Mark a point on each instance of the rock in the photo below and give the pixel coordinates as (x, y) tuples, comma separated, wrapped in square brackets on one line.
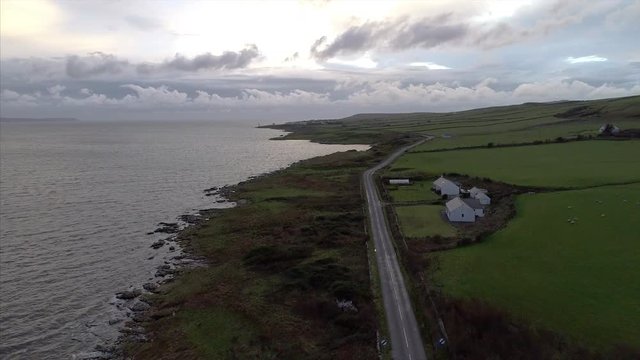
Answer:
[(221, 201), (139, 306), (132, 330), (151, 287), (150, 233), (172, 248), (167, 228), (114, 321), (190, 219), (165, 270), (139, 317), (158, 244), (105, 348), (129, 294)]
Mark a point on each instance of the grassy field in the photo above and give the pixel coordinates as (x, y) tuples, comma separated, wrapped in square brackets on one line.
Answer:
[(417, 191), (423, 220), (502, 124), (581, 278), (574, 164)]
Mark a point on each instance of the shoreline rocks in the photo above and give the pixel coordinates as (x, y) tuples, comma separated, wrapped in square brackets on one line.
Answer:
[(128, 294)]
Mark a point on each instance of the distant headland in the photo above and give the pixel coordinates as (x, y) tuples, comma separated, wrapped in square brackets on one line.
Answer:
[(47, 119)]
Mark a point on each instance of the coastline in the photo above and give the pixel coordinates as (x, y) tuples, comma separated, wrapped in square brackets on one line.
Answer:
[(145, 303)]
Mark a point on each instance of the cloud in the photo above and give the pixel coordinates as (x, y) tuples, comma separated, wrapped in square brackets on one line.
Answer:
[(585, 59), (456, 30), (360, 96), (95, 63), (98, 64), (429, 65), (143, 23), (207, 61)]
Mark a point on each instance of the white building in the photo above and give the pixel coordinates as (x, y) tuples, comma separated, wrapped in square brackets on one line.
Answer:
[(478, 208), (446, 187), (608, 128), (475, 190), (399, 182), (458, 211), (483, 198)]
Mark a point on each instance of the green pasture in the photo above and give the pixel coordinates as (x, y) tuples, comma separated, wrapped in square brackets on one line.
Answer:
[(423, 220), (573, 164), (567, 262), (417, 191)]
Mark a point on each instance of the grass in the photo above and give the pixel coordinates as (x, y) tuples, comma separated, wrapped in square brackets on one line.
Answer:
[(580, 279), (277, 264), (574, 164), (423, 220), (417, 191), (216, 333)]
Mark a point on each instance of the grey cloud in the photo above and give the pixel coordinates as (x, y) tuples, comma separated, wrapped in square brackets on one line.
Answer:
[(96, 63), (227, 60), (143, 23), (398, 34), (451, 30), (354, 39)]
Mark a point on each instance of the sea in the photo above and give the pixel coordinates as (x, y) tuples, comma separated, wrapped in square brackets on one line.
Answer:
[(77, 201)]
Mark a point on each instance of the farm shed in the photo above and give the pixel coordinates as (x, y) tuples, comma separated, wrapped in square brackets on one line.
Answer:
[(458, 211), (445, 187), (483, 198), (399, 182), (475, 190), (478, 208)]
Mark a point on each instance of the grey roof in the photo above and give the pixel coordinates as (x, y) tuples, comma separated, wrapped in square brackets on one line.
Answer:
[(456, 203), (482, 195), (473, 203), (442, 181)]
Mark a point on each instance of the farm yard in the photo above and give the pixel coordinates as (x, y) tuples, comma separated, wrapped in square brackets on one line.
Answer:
[(580, 278)]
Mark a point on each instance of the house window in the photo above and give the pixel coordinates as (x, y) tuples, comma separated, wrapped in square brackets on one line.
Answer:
[(462, 215)]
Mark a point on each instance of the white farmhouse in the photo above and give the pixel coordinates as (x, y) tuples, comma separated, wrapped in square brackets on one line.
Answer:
[(446, 187), (458, 211)]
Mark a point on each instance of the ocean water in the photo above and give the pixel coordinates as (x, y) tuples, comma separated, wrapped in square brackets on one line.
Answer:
[(76, 202)]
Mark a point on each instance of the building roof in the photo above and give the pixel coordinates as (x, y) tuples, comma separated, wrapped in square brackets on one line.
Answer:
[(482, 195), (456, 203), (477, 189), (473, 203), (441, 181)]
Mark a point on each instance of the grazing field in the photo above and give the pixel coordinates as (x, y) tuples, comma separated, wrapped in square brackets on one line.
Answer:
[(578, 278), (423, 220), (500, 124), (574, 164), (418, 191)]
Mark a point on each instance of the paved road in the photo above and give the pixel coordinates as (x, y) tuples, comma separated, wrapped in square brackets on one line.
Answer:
[(406, 343)]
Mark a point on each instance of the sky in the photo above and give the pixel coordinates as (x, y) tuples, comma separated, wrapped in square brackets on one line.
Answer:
[(276, 61)]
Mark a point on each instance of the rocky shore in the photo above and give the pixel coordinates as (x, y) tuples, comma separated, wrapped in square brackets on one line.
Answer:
[(135, 305)]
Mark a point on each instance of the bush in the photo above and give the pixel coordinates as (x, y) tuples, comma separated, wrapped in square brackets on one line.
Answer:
[(275, 257)]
